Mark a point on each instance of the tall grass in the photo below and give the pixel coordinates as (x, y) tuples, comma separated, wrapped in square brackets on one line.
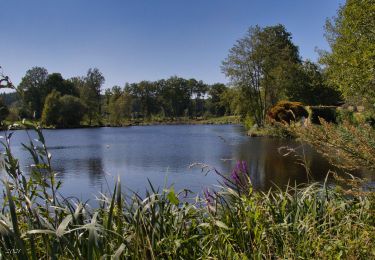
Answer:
[(234, 222)]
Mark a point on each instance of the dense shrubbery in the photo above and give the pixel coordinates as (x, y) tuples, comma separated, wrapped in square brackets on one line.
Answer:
[(231, 223), (286, 111)]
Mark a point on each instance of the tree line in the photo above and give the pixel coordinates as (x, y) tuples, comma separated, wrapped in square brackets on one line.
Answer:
[(56, 101)]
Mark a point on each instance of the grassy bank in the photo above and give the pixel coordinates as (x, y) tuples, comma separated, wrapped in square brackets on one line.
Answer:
[(312, 221)]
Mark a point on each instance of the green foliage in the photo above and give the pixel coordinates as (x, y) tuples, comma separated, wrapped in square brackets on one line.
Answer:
[(216, 105), (351, 63), (286, 111), (62, 111), (4, 111), (56, 82), (89, 89), (71, 111), (32, 88), (311, 86), (119, 105), (51, 110), (262, 65)]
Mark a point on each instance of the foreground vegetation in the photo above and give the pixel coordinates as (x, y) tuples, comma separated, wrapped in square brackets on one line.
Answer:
[(232, 222)]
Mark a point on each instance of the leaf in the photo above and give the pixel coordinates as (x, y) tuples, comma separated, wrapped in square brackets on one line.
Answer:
[(221, 224), (119, 252), (41, 231), (61, 229), (172, 197)]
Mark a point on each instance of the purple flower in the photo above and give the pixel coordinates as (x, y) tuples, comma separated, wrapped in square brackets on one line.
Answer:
[(240, 176), (208, 196)]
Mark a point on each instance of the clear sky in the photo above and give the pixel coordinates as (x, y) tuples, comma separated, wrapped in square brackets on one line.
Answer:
[(138, 40)]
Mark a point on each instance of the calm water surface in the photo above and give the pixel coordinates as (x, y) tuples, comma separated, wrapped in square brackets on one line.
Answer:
[(88, 160)]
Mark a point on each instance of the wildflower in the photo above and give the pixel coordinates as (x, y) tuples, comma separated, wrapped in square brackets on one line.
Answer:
[(208, 196)]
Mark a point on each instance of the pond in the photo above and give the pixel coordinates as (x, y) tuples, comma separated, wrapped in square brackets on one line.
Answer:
[(89, 160)]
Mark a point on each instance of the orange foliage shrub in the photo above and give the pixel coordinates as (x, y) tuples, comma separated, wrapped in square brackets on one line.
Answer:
[(286, 111)]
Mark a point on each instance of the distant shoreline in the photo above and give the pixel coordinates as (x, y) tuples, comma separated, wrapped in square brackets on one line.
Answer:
[(225, 120)]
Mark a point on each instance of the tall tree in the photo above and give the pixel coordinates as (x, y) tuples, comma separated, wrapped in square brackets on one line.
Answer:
[(32, 88), (351, 63), (261, 65), (90, 93), (311, 87), (216, 95), (56, 82)]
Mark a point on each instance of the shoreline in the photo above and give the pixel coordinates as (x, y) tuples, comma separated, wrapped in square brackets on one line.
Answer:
[(226, 120)]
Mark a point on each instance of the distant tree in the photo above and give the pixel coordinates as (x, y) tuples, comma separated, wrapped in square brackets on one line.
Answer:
[(32, 88), (120, 106), (176, 94), (62, 111), (261, 65), (56, 82), (351, 63), (90, 93), (4, 111), (71, 111), (51, 110), (10, 98), (311, 88), (216, 104)]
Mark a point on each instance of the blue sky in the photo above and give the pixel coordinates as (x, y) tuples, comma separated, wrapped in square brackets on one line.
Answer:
[(138, 40)]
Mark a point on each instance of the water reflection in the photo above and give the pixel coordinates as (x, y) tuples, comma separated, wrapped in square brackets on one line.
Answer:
[(88, 160)]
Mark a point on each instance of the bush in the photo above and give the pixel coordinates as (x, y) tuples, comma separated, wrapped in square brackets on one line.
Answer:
[(286, 111)]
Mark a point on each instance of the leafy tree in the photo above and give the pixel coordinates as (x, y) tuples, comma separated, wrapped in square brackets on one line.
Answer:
[(351, 63), (89, 92), (216, 105), (120, 106), (62, 111), (56, 82), (71, 111), (32, 88), (51, 110), (311, 87), (261, 65)]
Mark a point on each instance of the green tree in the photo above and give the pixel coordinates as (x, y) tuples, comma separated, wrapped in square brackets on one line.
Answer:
[(216, 104), (51, 110), (71, 111), (311, 87), (351, 63), (32, 88), (89, 93), (120, 106), (262, 64), (56, 82)]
